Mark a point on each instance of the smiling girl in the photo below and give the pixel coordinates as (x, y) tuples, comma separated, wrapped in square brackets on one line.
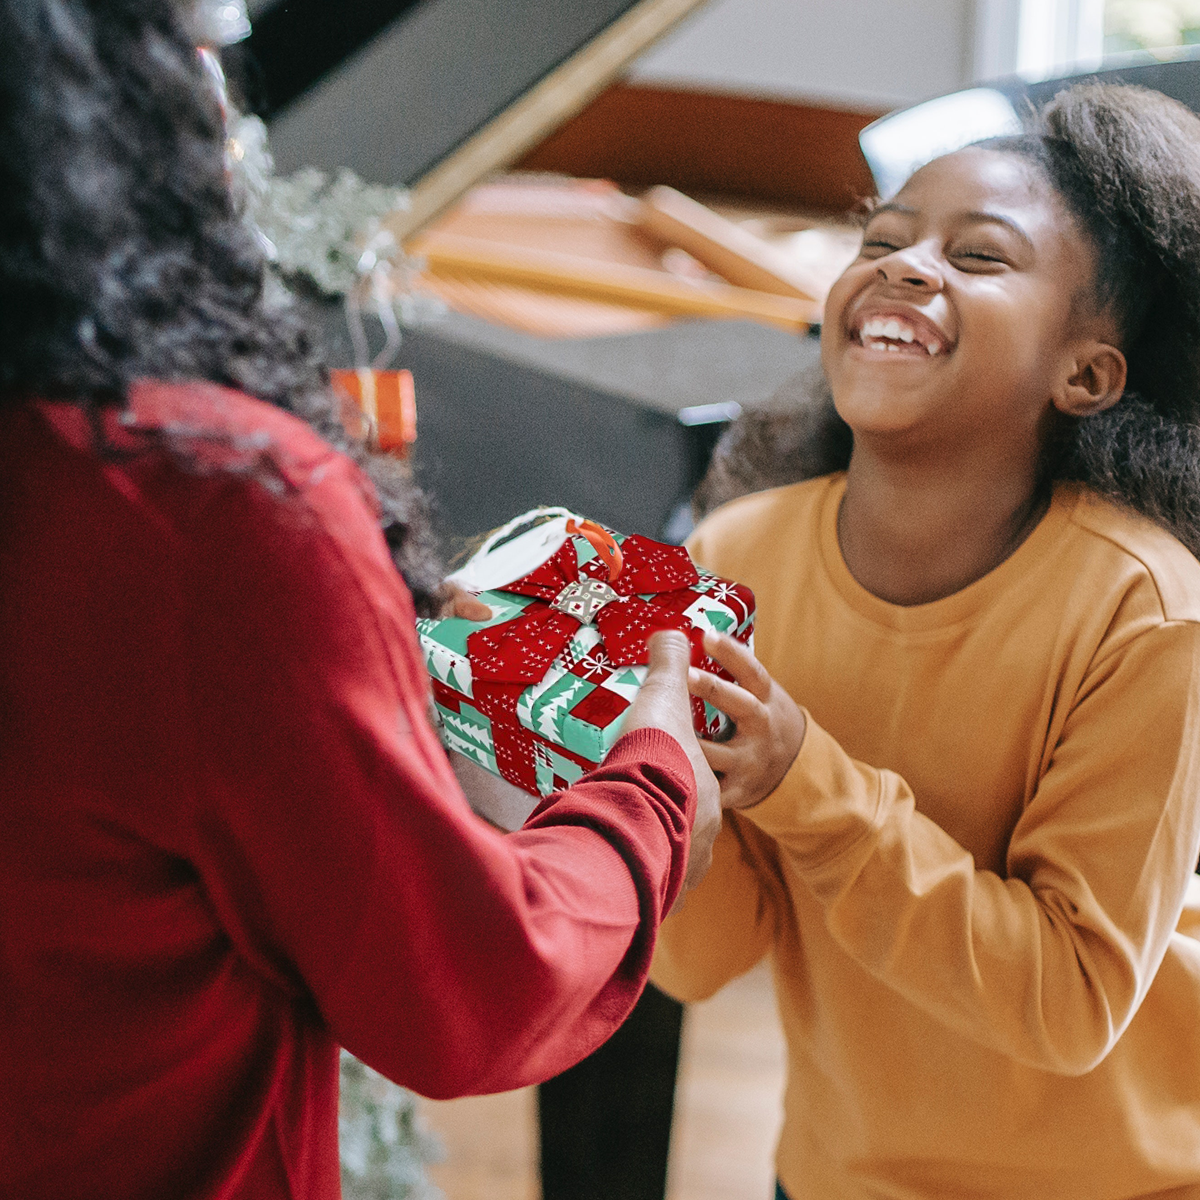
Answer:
[(968, 854)]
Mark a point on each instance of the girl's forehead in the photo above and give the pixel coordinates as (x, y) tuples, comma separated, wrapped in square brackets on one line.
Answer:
[(977, 179)]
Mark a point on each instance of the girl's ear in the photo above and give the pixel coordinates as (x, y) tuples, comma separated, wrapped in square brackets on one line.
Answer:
[(1096, 380)]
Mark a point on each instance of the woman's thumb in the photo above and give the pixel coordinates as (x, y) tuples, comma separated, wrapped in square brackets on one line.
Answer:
[(670, 657), (662, 701)]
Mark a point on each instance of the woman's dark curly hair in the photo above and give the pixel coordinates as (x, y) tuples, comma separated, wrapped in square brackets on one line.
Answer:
[(1126, 163), (121, 254)]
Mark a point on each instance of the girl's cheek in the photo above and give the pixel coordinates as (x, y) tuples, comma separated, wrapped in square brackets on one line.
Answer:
[(843, 288)]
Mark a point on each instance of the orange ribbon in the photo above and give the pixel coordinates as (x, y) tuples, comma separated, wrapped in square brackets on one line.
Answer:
[(602, 542)]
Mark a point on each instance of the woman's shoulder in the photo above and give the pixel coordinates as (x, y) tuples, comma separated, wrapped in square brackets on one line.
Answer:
[(227, 435), (225, 428), (207, 467), (214, 427), (1148, 555)]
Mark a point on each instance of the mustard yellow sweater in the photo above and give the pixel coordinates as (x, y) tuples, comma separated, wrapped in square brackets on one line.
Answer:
[(972, 881)]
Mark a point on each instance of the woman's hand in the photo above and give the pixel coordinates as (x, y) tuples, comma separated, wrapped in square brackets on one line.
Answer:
[(769, 724), (662, 703)]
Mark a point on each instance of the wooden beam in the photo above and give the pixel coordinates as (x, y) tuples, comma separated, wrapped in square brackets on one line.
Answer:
[(732, 252), (521, 126), (456, 255)]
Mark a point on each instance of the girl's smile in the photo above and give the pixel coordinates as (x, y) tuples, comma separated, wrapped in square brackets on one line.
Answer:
[(896, 329)]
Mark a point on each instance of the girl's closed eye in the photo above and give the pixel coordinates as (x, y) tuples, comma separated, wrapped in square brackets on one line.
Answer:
[(978, 258), (877, 247)]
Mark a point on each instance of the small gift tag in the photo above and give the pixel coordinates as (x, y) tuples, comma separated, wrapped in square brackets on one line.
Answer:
[(584, 600)]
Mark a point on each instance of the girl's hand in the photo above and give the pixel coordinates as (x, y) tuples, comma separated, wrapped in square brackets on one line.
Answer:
[(458, 602), (769, 724)]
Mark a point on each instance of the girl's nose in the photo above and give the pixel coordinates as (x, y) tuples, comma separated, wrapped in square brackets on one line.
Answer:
[(911, 267)]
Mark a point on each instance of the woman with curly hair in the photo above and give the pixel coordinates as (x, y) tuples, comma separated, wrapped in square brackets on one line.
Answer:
[(970, 854), (229, 839)]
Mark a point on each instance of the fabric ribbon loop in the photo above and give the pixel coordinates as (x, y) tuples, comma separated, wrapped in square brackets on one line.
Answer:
[(566, 595), (520, 650)]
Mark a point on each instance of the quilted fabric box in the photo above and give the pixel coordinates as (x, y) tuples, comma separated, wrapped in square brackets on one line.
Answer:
[(536, 693)]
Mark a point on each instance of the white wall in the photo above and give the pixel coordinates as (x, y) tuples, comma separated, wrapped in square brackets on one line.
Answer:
[(853, 53)]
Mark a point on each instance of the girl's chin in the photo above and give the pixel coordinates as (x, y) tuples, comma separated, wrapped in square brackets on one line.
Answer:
[(872, 412)]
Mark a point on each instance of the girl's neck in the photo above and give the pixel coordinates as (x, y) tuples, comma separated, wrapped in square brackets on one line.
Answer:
[(911, 533)]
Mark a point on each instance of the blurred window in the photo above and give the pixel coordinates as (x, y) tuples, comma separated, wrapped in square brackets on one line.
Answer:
[(1056, 37), (1039, 39), (1150, 24)]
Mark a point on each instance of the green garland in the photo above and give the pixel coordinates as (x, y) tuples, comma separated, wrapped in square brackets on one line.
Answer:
[(329, 232), (383, 1146)]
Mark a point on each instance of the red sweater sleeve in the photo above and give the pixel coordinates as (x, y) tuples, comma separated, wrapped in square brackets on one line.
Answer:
[(333, 841)]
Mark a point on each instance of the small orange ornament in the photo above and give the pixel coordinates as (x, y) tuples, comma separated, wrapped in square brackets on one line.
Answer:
[(387, 401)]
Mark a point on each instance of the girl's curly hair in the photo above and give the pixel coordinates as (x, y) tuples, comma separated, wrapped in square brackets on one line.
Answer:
[(1126, 163), (121, 254)]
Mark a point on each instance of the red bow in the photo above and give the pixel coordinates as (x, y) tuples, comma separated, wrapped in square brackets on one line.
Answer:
[(521, 650)]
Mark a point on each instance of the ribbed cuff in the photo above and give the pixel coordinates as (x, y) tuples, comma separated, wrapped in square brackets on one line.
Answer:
[(656, 748), (825, 806)]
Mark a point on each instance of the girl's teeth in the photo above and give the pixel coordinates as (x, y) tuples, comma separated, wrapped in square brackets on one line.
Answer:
[(879, 333)]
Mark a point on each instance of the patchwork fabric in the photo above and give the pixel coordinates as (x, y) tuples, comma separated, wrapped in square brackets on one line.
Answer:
[(536, 693)]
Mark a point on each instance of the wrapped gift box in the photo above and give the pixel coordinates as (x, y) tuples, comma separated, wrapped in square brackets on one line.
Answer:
[(537, 692)]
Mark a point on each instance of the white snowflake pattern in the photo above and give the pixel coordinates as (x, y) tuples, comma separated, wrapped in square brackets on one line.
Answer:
[(726, 593), (594, 664)]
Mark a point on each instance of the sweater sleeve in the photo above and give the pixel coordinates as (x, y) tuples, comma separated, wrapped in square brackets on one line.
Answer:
[(1048, 964), (337, 849), (725, 924)]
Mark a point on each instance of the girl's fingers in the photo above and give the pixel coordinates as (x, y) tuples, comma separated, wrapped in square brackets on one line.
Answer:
[(740, 662), (732, 700), (722, 758)]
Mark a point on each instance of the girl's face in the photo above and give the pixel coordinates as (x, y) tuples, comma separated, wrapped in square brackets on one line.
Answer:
[(959, 322)]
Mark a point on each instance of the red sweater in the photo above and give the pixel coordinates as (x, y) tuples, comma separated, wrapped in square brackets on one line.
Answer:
[(230, 842)]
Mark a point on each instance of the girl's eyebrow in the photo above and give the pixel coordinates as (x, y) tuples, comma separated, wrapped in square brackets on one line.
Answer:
[(999, 219), (906, 209), (974, 216)]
